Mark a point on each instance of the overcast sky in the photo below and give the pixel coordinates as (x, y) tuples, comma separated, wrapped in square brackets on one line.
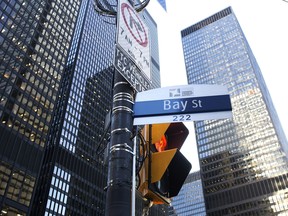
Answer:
[(264, 24)]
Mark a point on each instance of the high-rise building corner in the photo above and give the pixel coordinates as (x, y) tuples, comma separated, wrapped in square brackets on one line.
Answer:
[(243, 160)]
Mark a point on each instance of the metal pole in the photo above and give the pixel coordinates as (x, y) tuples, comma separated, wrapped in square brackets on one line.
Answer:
[(118, 197), (134, 176)]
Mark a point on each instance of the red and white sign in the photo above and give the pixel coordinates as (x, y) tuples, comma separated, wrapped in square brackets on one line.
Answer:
[(133, 37)]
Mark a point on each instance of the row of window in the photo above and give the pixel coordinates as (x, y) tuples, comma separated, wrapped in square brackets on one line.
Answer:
[(15, 184)]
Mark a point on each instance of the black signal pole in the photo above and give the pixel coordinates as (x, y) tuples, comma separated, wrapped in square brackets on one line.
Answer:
[(119, 186), (120, 156)]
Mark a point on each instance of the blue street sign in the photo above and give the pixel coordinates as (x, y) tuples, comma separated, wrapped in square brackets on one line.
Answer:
[(182, 106), (182, 103)]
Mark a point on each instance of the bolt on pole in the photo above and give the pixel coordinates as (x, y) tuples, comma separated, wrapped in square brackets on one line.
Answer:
[(120, 165)]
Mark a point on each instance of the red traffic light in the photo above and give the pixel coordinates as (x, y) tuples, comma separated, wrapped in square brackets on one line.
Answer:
[(172, 136), (167, 167), (162, 144)]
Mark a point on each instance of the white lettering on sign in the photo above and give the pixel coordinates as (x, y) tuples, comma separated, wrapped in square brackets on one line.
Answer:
[(176, 105), (180, 105), (196, 103), (130, 72)]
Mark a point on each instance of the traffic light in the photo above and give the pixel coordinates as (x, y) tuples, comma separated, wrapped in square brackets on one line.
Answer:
[(166, 168)]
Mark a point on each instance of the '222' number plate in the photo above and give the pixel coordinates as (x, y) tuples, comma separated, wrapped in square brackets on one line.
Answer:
[(177, 118)]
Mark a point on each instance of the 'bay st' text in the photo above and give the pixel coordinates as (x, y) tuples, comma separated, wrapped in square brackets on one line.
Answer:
[(181, 105)]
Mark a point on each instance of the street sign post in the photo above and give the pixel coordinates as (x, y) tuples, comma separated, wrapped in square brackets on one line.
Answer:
[(132, 61), (182, 103)]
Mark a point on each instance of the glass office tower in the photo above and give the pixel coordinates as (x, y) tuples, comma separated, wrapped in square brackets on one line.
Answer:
[(35, 38), (56, 77), (190, 200), (243, 161)]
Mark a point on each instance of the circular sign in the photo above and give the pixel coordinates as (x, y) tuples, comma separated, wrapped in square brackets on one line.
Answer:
[(134, 24)]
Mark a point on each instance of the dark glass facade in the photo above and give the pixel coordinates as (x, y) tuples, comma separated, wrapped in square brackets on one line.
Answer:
[(35, 37), (243, 161), (56, 89), (190, 200)]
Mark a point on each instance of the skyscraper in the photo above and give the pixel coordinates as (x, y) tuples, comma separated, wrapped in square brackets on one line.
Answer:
[(243, 161), (190, 200), (35, 38), (56, 88)]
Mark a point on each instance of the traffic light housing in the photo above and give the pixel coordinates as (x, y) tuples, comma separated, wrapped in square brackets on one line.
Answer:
[(166, 168)]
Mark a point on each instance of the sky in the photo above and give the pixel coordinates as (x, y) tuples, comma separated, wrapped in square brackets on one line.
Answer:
[(264, 24)]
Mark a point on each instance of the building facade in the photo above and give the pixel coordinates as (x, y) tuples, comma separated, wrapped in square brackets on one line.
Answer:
[(56, 89), (35, 43), (243, 160), (190, 200)]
